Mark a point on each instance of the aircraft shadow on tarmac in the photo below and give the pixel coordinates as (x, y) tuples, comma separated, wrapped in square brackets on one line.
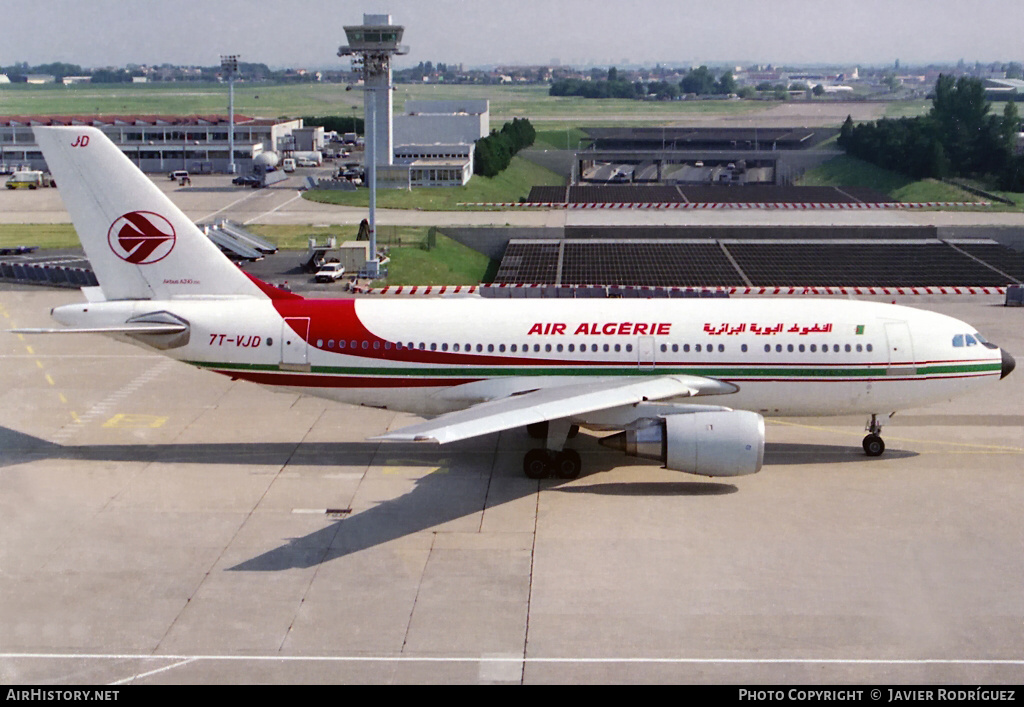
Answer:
[(434, 500)]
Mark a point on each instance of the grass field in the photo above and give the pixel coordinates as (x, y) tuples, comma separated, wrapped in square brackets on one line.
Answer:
[(293, 100), (48, 236), (446, 263), (850, 171), (510, 185)]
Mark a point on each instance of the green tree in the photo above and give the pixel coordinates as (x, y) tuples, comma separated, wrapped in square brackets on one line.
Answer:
[(726, 84), (846, 132), (1010, 125), (699, 81)]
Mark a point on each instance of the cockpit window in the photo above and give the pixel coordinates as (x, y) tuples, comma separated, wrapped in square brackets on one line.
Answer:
[(970, 340), (984, 342), (958, 340)]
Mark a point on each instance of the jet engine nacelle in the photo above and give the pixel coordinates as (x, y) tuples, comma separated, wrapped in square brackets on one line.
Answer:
[(723, 443)]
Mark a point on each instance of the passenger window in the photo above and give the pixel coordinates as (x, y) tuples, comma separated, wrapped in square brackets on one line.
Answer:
[(848, 349), (501, 348), (513, 348), (618, 348), (767, 348), (859, 349), (721, 348), (869, 347), (376, 345), (801, 348), (490, 348), (814, 348), (559, 348), (675, 348), (743, 348), (697, 348), (572, 347), (433, 347), (629, 347)]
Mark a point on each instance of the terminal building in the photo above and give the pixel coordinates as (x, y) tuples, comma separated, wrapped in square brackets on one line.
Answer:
[(162, 143)]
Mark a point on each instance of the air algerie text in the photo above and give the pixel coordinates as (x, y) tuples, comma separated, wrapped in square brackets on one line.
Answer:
[(602, 329)]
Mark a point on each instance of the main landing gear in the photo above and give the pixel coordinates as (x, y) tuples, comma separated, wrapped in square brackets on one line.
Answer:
[(552, 460), (873, 444)]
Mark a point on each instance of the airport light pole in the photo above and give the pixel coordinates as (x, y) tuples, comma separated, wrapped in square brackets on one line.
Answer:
[(229, 65)]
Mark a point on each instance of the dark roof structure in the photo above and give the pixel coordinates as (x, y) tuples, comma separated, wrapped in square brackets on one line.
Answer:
[(654, 138), (711, 262), (760, 194)]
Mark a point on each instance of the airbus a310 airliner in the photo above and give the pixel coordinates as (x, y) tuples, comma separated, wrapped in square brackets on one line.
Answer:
[(685, 382)]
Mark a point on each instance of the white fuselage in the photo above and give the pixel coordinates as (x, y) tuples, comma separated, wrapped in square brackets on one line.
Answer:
[(786, 357)]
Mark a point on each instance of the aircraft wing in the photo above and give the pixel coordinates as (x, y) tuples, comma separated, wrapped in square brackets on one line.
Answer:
[(553, 403)]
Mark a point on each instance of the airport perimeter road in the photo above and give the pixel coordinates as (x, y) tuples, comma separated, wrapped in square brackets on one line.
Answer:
[(213, 197), (160, 524)]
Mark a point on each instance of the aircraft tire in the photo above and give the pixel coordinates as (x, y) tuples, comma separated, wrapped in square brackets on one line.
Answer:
[(567, 464), (537, 464), (873, 446)]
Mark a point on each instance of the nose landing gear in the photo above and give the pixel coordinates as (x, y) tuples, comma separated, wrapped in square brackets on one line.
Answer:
[(873, 444)]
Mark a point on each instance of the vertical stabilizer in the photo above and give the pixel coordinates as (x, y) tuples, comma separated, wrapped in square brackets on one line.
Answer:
[(140, 245)]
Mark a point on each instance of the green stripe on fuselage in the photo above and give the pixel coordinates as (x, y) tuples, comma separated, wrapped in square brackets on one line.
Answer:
[(724, 371)]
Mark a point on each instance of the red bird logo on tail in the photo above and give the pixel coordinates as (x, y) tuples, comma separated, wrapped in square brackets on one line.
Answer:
[(141, 237)]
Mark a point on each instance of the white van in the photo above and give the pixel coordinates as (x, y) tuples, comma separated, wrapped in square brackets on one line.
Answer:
[(31, 179), (178, 175), (288, 164)]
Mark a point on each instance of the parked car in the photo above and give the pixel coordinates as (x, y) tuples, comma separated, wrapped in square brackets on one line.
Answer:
[(178, 175), (247, 180), (329, 272)]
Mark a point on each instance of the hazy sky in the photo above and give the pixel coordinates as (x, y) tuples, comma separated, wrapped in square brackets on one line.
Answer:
[(306, 33)]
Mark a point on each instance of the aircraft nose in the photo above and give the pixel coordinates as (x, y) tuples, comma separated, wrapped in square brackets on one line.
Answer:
[(1008, 364)]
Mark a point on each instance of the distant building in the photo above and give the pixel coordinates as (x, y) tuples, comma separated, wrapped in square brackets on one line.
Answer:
[(1004, 89), (446, 122), (158, 143)]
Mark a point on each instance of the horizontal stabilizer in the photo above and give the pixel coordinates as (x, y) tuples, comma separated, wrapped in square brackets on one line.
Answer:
[(141, 328)]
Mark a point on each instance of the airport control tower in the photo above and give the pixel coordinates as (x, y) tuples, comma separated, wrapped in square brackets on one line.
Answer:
[(372, 44)]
